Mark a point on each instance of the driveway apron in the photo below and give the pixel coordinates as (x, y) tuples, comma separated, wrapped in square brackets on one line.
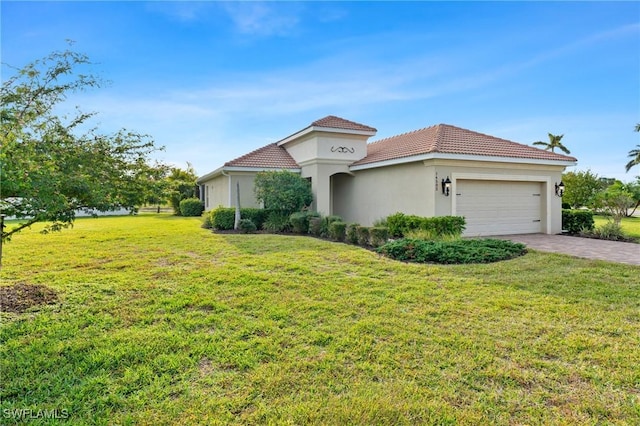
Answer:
[(589, 248)]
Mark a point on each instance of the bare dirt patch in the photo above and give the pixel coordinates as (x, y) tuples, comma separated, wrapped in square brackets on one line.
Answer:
[(19, 297)]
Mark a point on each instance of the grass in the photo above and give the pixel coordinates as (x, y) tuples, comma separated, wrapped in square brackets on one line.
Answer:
[(162, 322), (630, 225)]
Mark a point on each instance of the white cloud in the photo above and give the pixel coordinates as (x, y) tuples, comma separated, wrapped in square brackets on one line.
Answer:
[(263, 19)]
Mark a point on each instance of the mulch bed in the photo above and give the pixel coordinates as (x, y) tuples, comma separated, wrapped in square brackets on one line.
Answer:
[(19, 297)]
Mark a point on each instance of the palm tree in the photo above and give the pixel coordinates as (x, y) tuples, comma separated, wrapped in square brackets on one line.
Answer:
[(634, 154), (554, 142)]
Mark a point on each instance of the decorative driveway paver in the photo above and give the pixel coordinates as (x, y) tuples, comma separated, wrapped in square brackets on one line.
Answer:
[(589, 248)]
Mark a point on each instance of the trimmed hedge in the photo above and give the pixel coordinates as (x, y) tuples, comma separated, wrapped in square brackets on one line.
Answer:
[(577, 221), (191, 207), (440, 226), (300, 221), (352, 233), (223, 218), (326, 223), (363, 235), (378, 235), (452, 252), (337, 231)]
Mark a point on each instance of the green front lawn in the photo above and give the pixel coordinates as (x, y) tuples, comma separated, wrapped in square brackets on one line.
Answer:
[(162, 322), (630, 225)]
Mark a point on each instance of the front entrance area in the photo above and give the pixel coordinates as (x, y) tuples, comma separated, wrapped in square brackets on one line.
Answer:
[(499, 207)]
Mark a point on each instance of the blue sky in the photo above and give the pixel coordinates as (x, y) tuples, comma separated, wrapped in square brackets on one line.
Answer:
[(214, 80)]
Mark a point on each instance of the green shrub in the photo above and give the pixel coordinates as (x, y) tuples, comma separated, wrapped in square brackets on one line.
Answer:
[(246, 226), (222, 218), (257, 216), (315, 226), (577, 221), (363, 233), (380, 222), (400, 224), (191, 207), (300, 221), (352, 233), (207, 223), (427, 234), (326, 222), (277, 221), (566, 206), (396, 224), (379, 235), (337, 231), (452, 252), (609, 231)]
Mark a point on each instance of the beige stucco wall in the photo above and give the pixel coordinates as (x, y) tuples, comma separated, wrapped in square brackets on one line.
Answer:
[(318, 146), (222, 190), (373, 194), (247, 196), (216, 192)]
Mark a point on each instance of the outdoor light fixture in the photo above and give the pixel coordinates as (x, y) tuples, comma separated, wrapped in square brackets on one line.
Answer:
[(560, 189), (446, 186)]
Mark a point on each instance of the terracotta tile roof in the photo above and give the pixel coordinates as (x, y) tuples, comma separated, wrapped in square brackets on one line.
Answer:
[(447, 139), (270, 156), (341, 123)]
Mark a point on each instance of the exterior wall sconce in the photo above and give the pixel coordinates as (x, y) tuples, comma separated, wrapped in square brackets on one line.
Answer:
[(560, 189), (446, 186)]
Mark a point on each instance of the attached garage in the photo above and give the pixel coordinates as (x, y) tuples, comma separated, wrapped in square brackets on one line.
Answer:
[(493, 207)]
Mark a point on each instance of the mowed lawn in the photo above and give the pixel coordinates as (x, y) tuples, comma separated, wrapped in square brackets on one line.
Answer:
[(162, 322), (630, 225)]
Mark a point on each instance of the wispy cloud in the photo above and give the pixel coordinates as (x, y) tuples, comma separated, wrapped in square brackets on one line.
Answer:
[(264, 19), (183, 11)]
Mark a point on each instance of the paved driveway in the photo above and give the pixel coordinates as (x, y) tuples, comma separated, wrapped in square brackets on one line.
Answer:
[(589, 248)]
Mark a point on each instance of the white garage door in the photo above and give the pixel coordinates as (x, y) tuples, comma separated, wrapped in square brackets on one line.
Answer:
[(499, 207)]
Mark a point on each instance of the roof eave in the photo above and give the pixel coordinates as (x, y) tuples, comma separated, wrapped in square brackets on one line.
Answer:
[(466, 157), (210, 175), (225, 169), (311, 129)]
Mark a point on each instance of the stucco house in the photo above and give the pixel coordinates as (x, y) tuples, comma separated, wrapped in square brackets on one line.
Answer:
[(499, 186)]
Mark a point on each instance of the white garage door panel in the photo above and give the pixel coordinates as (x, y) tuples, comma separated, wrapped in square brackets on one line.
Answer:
[(498, 208)]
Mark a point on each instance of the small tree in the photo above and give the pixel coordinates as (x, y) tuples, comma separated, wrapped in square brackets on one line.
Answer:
[(581, 188), (181, 185), (283, 190), (615, 201)]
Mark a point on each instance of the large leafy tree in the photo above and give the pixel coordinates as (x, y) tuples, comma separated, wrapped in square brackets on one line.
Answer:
[(283, 190), (53, 165), (581, 188), (554, 142)]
